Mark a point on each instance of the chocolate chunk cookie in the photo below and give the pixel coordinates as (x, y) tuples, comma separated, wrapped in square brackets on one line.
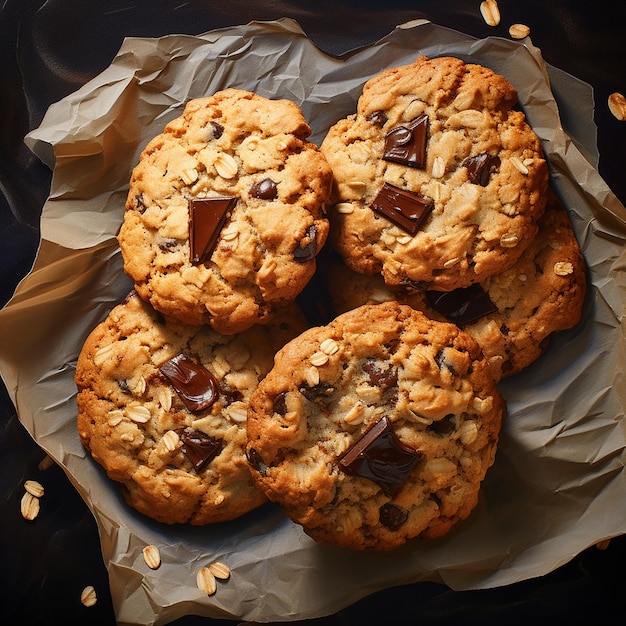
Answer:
[(512, 314), (376, 428), (438, 180), (162, 407), (225, 211)]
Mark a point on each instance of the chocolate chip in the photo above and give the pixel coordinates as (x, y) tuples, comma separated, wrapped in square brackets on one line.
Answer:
[(462, 306), (480, 167), (199, 447), (229, 393), (379, 118), (307, 249), (406, 144), (392, 516), (280, 404), (440, 360), (256, 462), (378, 377), (194, 384), (265, 189), (444, 426), (381, 457), (321, 390), (218, 130), (404, 208), (206, 219)]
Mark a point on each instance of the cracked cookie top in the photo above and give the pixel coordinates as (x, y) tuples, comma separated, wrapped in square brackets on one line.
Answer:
[(438, 180), (225, 211)]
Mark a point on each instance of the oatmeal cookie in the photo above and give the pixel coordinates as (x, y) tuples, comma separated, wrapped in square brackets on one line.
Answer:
[(513, 314), (162, 407), (376, 428), (438, 180), (225, 211)]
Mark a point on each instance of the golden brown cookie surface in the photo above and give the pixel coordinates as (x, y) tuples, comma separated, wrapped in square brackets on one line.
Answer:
[(438, 180), (225, 211), (376, 428)]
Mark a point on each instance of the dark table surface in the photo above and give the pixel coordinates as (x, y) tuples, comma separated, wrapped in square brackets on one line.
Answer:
[(50, 48)]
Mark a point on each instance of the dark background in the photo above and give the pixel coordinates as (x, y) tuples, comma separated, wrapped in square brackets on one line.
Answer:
[(49, 49)]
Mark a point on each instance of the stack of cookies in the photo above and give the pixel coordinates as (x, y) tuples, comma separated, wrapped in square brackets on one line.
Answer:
[(451, 264)]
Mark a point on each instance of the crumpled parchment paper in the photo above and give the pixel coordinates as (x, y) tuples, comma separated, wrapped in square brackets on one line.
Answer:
[(558, 483)]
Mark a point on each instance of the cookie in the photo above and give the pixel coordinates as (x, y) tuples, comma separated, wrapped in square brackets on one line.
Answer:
[(513, 314), (225, 211), (375, 428), (162, 407), (438, 180)]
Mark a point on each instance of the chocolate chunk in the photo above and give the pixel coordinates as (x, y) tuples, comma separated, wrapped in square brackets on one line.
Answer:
[(218, 129), (308, 246), (444, 426), (230, 393), (256, 462), (206, 219), (406, 144), (264, 190), (280, 405), (462, 306), (321, 390), (198, 447), (381, 457), (378, 377), (194, 384), (404, 208), (377, 117), (392, 516), (480, 167)]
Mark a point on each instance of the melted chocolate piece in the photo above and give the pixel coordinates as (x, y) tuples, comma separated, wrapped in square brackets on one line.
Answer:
[(280, 405), (230, 394), (307, 249), (462, 306), (444, 426), (218, 129), (198, 447), (381, 457), (392, 516), (377, 117), (256, 462), (404, 208), (194, 384), (321, 390), (406, 144), (206, 219), (480, 167), (264, 190), (378, 377)]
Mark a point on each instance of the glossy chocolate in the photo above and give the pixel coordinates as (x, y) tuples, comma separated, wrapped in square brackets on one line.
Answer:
[(406, 144), (480, 167), (198, 447), (307, 249), (264, 190), (392, 516), (462, 306), (381, 457), (206, 219), (195, 385), (379, 377), (404, 208)]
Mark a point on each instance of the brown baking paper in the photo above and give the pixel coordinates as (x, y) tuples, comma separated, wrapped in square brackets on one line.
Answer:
[(557, 485)]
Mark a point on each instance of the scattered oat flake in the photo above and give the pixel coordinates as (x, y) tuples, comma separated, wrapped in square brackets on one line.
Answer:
[(205, 580), (617, 106), (29, 506), (152, 556), (491, 12), (519, 31), (88, 596), (220, 570), (34, 487)]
